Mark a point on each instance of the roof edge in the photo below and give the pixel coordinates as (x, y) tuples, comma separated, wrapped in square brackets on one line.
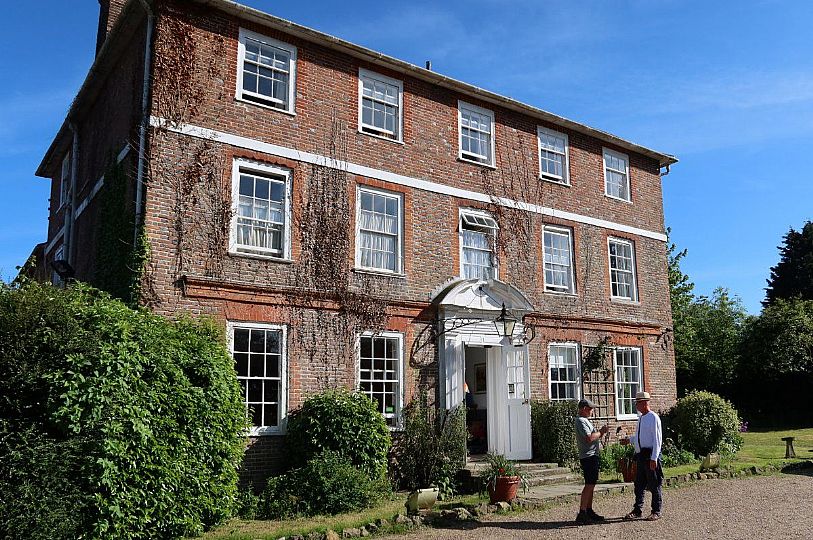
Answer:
[(99, 68), (374, 57)]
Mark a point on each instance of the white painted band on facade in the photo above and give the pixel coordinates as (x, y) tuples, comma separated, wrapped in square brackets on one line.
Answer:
[(387, 176)]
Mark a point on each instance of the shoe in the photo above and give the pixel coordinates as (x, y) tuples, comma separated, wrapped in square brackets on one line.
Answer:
[(595, 517), (583, 518), (653, 517), (632, 515)]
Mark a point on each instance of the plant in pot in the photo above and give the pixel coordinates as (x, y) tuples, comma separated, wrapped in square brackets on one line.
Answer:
[(625, 463), (502, 478)]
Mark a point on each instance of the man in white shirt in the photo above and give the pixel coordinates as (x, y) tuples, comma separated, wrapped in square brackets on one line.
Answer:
[(648, 439)]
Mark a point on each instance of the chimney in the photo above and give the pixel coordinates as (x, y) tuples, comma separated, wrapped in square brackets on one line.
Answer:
[(109, 11)]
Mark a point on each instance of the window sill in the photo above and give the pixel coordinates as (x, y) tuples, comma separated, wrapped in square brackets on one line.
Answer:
[(565, 294), (257, 256), (558, 182), (262, 106), (480, 163), (619, 199), (625, 301), (382, 137), (382, 273), (265, 432)]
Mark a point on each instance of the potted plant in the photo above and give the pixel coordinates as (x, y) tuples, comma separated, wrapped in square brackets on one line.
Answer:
[(502, 478), (626, 462)]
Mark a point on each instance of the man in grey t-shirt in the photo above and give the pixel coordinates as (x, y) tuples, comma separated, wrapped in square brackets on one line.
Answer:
[(587, 437)]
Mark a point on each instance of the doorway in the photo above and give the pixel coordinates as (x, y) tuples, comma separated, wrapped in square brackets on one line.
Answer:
[(476, 398)]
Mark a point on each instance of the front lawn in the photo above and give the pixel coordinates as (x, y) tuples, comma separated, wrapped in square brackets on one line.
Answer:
[(760, 448)]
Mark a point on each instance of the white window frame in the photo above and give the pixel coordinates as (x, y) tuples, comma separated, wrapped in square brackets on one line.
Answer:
[(565, 178), (631, 244), (550, 288), (482, 214), (64, 180), (578, 381), (399, 401), (399, 249), (262, 100), (461, 106), (375, 131), (616, 383), (260, 169), (282, 408), (618, 155), (59, 254)]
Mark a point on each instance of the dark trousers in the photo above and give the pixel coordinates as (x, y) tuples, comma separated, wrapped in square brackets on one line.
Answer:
[(648, 480)]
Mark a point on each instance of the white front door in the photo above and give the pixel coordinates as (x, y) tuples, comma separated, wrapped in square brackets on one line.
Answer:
[(519, 403), (509, 406)]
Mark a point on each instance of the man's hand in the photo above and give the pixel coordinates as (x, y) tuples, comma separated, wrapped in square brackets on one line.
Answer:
[(653, 464)]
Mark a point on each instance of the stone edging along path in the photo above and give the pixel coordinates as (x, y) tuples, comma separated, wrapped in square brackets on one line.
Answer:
[(401, 522)]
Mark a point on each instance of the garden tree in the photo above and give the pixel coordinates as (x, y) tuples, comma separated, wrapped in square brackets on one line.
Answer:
[(711, 329), (776, 371), (681, 298), (793, 275), (114, 422)]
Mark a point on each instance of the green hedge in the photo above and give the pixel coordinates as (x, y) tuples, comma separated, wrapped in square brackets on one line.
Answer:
[(344, 422), (552, 431), (116, 423), (705, 423), (328, 484)]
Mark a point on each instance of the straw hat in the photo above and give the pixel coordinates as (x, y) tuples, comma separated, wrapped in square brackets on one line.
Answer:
[(642, 396)]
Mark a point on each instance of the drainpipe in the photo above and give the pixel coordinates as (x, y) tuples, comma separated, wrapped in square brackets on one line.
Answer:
[(67, 239), (664, 173), (142, 128)]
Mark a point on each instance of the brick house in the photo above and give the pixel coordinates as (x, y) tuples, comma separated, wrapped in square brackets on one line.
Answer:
[(354, 220)]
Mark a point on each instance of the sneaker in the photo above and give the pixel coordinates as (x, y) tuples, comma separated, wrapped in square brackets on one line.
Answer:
[(594, 516), (583, 518), (653, 517), (633, 515)]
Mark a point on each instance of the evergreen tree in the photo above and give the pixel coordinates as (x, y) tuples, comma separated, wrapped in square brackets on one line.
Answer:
[(681, 297), (793, 275)]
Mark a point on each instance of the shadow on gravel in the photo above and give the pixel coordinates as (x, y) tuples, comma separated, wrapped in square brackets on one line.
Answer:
[(526, 525)]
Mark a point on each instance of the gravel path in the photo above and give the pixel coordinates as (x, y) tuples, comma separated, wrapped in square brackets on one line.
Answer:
[(756, 507)]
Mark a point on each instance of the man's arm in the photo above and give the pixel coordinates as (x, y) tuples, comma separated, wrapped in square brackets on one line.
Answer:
[(657, 442)]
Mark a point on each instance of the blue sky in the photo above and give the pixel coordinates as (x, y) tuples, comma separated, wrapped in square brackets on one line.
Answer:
[(728, 90)]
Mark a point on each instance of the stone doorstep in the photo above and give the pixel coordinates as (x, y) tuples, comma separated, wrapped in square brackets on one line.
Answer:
[(554, 492)]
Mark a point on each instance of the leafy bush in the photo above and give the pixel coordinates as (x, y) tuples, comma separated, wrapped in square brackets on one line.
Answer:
[(705, 423), (345, 422), (116, 423), (247, 505), (554, 437), (328, 484), (672, 455), (609, 456), (431, 449)]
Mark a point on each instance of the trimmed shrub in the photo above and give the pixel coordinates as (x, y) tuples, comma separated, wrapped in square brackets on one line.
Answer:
[(345, 422), (328, 484), (705, 423), (116, 423), (552, 431), (431, 449)]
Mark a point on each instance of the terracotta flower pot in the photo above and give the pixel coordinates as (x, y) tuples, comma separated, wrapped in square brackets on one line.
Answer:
[(628, 468), (504, 489)]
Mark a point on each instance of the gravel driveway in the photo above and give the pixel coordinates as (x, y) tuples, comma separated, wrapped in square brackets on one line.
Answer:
[(755, 507)]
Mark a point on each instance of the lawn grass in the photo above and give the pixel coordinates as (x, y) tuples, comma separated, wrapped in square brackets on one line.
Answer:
[(239, 529), (760, 448)]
